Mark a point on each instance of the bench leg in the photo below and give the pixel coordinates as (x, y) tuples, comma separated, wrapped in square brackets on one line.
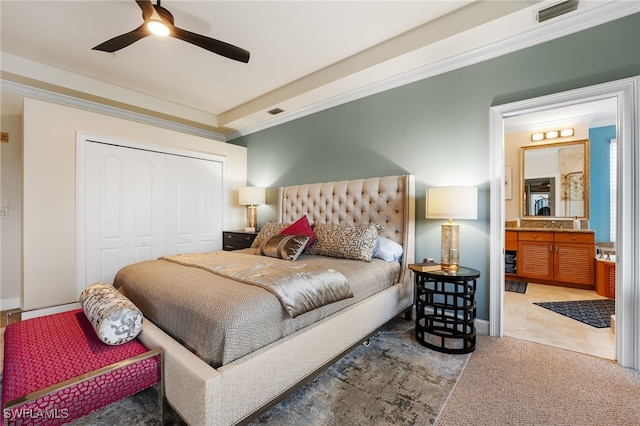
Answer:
[(160, 388)]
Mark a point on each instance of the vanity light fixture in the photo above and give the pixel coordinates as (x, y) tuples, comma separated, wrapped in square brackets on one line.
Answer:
[(552, 134), (251, 196), (451, 202)]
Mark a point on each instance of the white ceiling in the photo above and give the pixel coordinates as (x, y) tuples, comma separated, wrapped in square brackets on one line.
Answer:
[(303, 53)]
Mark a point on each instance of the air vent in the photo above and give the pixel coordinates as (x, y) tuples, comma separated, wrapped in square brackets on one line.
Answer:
[(557, 10), (276, 111)]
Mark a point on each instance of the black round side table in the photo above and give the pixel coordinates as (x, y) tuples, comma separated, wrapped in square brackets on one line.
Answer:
[(446, 310)]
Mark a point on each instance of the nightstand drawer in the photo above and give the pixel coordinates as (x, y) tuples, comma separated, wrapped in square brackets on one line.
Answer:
[(235, 240)]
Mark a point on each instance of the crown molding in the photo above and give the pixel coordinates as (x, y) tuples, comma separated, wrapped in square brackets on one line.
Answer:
[(70, 101)]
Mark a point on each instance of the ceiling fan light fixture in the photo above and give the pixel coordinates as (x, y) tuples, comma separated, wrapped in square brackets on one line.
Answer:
[(156, 20), (158, 28)]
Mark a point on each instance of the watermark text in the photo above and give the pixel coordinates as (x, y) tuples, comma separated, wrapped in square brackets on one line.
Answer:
[(35, 413)]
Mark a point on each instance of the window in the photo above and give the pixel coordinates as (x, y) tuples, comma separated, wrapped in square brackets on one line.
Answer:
[(613, 176)]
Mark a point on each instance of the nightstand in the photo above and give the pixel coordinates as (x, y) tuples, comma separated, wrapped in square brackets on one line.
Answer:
[(446, 310), (235, 240)]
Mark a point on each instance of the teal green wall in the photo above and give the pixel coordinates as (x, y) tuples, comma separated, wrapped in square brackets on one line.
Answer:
[(438, 130)]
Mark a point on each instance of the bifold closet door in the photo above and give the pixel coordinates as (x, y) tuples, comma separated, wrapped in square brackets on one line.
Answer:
[(141, 204), (193, 205), (124, 208)]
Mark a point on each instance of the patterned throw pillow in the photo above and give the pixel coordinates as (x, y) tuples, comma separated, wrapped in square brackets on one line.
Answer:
[(268, 230), (287, 247), (347, 242), (115, 319)]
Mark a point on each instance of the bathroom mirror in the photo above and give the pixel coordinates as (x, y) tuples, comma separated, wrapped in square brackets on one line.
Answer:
[(555, 180)]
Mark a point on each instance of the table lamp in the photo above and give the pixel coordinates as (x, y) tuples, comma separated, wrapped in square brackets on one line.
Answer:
[(451, 202), (251, 196)]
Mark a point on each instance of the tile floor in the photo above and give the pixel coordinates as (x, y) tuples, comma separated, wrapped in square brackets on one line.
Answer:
[(524, 320)]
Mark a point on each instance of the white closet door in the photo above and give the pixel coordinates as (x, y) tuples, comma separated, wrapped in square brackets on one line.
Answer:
[(125, 218), (194, 205)]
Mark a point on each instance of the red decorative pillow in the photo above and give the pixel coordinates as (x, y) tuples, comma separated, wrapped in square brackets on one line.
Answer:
[(301, 227)]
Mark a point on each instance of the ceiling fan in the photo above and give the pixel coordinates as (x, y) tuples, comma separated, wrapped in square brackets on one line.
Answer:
[(159, 21)]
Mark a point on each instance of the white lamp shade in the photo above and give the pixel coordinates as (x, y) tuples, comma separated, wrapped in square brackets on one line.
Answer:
[(452, 202), (251, 195)]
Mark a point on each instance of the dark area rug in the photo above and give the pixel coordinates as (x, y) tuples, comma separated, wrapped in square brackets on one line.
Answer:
[(515, 286), (394, 381), (596, 313)]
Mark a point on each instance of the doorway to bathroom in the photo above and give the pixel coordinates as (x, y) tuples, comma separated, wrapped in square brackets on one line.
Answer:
[(624, 92), (569, 176)]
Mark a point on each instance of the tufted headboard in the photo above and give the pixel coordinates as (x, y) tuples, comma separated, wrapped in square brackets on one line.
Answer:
[(388, 201)]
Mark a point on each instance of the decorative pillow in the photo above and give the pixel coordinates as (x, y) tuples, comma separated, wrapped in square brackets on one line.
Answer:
[(387, 250), (114, 318), (301, 227), (268, 230), (348, 242), (287, 247)]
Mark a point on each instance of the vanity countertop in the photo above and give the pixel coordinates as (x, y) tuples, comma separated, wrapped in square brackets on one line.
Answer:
[(587, 231)]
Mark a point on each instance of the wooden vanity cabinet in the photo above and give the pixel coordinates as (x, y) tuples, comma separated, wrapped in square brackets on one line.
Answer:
[(573, 258), (535, 255), (561, 258), (511, 240)]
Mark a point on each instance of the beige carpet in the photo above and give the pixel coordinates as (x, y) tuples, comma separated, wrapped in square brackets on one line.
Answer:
[(514, 382)]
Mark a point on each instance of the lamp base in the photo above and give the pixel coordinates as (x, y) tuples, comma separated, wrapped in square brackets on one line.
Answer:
[(252, 218), (449, 247), (450, 267)]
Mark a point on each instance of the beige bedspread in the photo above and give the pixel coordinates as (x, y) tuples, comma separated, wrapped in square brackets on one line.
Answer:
[(300, 287), (220, 319)]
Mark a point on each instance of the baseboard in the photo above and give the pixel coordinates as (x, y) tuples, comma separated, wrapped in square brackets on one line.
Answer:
[(6, 304), (482, 326), (34, 313)]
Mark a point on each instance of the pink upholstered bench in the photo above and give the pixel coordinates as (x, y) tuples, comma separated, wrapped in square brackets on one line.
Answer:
[(56, 370)]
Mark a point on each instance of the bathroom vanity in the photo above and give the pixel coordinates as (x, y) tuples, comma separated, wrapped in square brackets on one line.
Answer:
[(563, 257), (549, 241)]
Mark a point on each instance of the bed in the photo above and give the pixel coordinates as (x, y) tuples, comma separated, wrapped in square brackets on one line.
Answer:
[(260, 345)]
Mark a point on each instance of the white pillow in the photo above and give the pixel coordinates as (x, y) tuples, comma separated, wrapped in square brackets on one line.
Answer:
[(387, 250)]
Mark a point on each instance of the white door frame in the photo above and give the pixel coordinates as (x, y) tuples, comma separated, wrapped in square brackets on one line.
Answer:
[(626, 92)]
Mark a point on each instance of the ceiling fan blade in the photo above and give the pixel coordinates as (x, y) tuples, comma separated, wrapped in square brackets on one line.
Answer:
[(212, 45), (147, 8), (123, 40)]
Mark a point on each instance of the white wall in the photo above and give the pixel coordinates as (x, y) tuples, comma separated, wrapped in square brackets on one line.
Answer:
[(11, 227), (49, 200)]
